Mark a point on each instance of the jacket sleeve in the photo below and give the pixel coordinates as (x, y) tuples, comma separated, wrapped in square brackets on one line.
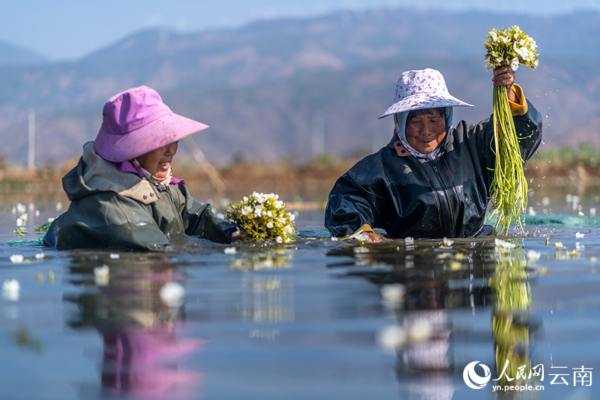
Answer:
[(106, 220), (351, 205), (199, 220), (529, 131)]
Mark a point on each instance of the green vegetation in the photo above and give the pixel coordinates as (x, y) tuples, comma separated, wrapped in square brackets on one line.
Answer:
[(585, 154)]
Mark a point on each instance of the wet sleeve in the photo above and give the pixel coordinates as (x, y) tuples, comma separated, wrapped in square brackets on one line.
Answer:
[(106, 220), (199, 220), (350, 206)]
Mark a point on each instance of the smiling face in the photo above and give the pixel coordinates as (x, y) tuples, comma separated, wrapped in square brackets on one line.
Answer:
[(425, 129), (158, 161)]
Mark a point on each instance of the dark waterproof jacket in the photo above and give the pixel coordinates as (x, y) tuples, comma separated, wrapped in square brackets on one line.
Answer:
[(114, 209), (410, 196)]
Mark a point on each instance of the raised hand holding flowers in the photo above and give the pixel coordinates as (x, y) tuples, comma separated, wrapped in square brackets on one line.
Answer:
[(263, 217), (507, 50)]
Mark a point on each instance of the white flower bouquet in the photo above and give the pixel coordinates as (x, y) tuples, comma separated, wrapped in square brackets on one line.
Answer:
[(263, 217), (508, 47)]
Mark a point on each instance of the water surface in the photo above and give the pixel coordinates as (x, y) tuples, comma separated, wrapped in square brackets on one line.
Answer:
[(301, 320)]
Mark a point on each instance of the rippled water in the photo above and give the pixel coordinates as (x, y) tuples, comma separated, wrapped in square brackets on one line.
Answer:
[(302, 321)]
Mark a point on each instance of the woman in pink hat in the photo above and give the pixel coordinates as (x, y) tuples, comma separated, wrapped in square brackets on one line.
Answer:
[(431, 180), (122, 192)]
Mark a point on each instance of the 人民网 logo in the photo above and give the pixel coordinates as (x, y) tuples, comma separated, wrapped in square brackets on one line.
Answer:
[(472, 379)]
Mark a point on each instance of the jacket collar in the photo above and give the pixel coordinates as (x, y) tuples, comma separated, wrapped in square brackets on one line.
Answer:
[(102, 175), (396, 145)]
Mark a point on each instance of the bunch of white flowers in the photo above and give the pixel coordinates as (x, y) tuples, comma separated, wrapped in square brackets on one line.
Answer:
[(263, 216), (510, 47)]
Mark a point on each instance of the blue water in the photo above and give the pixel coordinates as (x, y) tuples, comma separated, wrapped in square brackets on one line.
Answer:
[(304, 320)]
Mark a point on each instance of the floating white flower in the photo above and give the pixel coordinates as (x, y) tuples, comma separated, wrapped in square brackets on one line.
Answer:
[(392, 337), (230, 250), (419, 331), (102, 270), (172, 294), (11, 289), (39, 256), (17, 258), (579, 235), (504, 244), (533, 255), (101, 275), (114, 256), (393, 293), (447, 242)]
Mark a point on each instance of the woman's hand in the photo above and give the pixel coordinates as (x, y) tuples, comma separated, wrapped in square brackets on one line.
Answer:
[(374, 237), (505, 76)]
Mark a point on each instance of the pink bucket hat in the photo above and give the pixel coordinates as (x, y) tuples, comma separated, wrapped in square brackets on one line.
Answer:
[(136, 122), (421, 89)]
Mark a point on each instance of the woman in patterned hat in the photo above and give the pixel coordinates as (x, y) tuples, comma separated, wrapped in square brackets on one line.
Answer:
[(431, 180), (123, 193)]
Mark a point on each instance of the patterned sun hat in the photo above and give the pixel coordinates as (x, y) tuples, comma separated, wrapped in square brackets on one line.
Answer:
[(421, 89)]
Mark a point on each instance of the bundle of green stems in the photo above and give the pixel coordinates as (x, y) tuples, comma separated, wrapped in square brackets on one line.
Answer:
[(509, 186)]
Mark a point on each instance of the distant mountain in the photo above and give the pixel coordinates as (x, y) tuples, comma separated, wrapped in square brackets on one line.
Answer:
[(263, 87), (13, 55)]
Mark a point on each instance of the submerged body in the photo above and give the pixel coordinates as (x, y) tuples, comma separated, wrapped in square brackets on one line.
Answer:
[(114, 209), (446, 196)]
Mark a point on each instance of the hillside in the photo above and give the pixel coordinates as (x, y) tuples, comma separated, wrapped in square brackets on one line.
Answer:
[(14, 55), (263, 87)]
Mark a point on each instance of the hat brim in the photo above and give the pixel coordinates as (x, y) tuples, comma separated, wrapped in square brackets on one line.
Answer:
[(165, 130), (421, 101)]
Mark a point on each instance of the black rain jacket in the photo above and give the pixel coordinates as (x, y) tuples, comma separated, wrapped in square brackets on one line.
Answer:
[(410, 196)]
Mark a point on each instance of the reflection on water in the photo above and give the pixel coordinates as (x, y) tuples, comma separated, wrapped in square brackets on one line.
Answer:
[(510, 318), (267, 299), (138, 330), (470, 274), (310, 319)]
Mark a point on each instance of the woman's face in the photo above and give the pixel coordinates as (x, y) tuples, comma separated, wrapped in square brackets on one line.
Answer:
[(426, 130), (158, 161)]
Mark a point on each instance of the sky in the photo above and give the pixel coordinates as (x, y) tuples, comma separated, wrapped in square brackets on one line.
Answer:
[(70, 29)]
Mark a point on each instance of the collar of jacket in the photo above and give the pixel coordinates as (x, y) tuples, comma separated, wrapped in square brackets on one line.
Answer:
[(398, 147), (102, 175)]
